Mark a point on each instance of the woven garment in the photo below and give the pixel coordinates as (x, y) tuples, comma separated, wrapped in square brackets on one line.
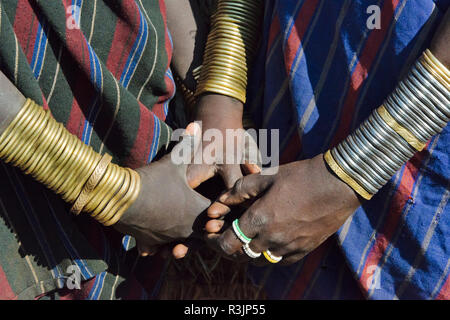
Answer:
[(320, 72), (102, 68)]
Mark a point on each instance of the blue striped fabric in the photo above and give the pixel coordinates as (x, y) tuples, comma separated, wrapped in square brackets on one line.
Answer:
[(319, 74)]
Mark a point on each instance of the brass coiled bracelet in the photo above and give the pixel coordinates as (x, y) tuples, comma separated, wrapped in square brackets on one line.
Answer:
[(41, 147), (231, 44)]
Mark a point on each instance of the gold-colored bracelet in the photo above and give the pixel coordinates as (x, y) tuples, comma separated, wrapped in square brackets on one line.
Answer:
[(402, 131), (91, 183), (437, 64), (41, 147), (334, 166), (230, 46), (437, 73)]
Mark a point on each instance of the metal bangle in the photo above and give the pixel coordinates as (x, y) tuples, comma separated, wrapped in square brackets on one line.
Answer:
[(400, 114), (361, 181), (418, 68), (431, 114), (431, 92), (416, 113), (362, 167), (424, 99), (397, 142), (380, 162), (370, 134), (350, 167), (389, 160)]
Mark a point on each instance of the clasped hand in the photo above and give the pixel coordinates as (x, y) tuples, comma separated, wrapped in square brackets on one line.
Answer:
[(291, 209)]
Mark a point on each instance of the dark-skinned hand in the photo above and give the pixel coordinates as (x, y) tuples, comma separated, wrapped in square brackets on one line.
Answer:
[(295, 210), (220, 113), (167, 207), (291, 213)]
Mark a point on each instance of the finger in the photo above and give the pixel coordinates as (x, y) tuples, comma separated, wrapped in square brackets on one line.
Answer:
[(252, 155), (189, 246), (212, 240), (180, 251), (230, 174), (214, 226), (184, 152), (146, 250), (198, 173), (250, 224), (250, 168), (246, 188), (291, 252), (258, 245), (217, 210)]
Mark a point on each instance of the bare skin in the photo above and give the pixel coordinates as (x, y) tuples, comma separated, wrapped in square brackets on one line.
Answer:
[(189, 31), (166, 208), (163, 212), (292, 212)]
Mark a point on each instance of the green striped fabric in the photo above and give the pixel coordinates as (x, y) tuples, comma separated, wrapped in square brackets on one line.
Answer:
[(102, 68)]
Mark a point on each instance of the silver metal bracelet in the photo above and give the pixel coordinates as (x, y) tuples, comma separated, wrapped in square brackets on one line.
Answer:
[(416, 110)]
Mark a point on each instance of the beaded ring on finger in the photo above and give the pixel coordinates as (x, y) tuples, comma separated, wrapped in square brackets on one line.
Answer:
[(248, 251), (271, 257), (238, 232)]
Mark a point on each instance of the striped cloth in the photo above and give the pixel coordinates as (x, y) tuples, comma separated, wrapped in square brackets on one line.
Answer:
[(319, 74), (102, 68)]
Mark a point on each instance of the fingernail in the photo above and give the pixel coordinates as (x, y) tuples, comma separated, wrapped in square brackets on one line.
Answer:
[(196, 128)]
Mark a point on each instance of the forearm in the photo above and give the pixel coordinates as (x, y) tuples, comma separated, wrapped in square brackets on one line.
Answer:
[(33, 141), (230, 49), (224, 57), (418, 109), (189, 29), (11, 101)]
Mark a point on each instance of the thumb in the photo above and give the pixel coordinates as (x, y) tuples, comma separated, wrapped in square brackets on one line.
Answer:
[(246, 188), (184, 152)]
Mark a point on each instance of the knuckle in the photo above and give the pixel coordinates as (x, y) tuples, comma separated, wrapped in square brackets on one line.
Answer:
[(278, 239), (258, 220), (238, 186), (226, 246)]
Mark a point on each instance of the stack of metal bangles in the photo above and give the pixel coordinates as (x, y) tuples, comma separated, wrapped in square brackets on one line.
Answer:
[(418, 109), (231, 43), (246, 247), (41, 147)]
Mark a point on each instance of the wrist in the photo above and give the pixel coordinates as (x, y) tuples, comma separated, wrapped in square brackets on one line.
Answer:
[(333, 186), (214, 109), (140, 204)]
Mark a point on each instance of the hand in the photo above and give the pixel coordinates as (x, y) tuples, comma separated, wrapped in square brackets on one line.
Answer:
[(293, 212), (220, 113), (166, 208)]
